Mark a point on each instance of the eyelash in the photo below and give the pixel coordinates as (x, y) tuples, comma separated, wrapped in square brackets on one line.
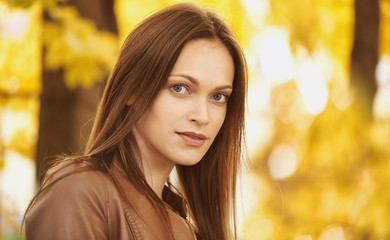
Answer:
[(179, 85), (212, 97), (224, 95)]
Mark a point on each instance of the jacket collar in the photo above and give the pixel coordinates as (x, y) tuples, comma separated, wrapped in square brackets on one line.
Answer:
[(176, 202)]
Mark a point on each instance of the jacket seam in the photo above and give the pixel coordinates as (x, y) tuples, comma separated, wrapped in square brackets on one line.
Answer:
[(106, 201)]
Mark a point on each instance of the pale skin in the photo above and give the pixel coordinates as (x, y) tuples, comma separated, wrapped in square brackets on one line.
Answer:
[(187, 114)]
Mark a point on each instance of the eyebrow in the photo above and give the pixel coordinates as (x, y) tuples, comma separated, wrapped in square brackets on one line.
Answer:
[(196, 82)]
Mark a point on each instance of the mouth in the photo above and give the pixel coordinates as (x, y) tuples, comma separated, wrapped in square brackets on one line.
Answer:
[(196, 136), (192, 139)]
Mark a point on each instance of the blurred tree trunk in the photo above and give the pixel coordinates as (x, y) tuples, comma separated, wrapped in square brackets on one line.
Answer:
[(364, 55), (64, 112)]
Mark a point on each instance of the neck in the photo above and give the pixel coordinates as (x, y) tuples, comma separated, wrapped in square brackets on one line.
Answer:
[(155, 166), (156, 174), (156, 169)]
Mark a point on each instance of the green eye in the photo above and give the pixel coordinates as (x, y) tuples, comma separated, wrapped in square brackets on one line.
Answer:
[(177, 88), (218, 97)]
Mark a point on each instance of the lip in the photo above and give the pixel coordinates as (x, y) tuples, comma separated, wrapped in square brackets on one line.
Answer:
[(193, 139)]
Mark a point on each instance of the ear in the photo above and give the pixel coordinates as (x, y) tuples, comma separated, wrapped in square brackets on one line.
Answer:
[(130, 101)]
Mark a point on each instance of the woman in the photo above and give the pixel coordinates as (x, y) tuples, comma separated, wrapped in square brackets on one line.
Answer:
[(176, 97)]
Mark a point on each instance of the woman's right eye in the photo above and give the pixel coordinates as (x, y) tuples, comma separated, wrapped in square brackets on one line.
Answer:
[(179, 89)]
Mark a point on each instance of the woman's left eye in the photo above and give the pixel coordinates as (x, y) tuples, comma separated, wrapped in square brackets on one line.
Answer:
[(220, 97), (179, 89)]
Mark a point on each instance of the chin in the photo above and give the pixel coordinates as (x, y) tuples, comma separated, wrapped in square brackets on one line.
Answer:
[(187, 158), (188, 162)]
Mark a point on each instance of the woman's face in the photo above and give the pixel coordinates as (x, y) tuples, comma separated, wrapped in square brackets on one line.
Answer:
[(185, 117)]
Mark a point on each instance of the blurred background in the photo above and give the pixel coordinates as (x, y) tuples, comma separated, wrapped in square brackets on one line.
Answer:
[(318, 120)]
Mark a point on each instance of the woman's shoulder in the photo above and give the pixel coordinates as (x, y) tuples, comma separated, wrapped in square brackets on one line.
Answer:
[(70, 183), (73, 195), (73, 178)]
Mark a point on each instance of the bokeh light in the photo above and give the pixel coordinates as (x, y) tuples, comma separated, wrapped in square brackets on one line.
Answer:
[(283, 161)]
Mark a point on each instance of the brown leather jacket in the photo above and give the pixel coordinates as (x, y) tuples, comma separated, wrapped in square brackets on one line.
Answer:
[(87, 205)]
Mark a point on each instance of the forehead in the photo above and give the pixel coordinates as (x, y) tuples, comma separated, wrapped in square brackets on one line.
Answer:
[(206, 60)]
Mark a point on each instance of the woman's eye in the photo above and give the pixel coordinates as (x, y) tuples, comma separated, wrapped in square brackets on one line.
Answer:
[(179, 89), (220, 97)]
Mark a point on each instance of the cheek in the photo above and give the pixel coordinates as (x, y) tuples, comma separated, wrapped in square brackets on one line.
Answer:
[(219, 117), (162, 107)]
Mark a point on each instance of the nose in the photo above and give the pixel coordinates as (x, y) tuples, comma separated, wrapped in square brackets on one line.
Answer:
[(200, 113)]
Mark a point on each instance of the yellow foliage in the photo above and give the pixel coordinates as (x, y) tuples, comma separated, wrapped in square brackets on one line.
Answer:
[(20, 77), (22, 143), (131, 12), (337, 190), (290, 15), (316, 23), (21, 118), (262, 229), (20, 50), (74, 44), (384, 29), (235, 14), (28, 3), (344, 166)]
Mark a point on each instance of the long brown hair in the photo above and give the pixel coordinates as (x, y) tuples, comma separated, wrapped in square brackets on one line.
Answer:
[(145, 62)]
